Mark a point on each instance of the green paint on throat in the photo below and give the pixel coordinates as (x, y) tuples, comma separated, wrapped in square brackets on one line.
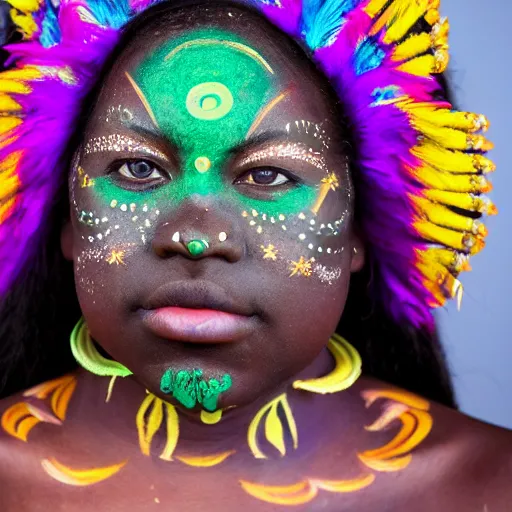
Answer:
[(189, 388)]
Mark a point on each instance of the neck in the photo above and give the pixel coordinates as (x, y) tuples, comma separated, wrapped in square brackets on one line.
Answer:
[(118, 415)]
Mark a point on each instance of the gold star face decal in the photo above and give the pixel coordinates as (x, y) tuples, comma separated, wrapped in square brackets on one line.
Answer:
[(85, 179), (331, 181), (302, 266), (269, 252), (116, 257)]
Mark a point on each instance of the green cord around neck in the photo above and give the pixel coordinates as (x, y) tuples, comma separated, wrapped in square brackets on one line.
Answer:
[(88, 356)]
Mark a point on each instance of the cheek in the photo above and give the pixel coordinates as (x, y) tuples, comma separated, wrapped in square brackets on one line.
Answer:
[(302, 264), (111, 228), (308, 246)]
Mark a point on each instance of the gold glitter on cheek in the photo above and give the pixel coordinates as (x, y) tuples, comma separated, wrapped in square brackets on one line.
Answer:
[(116, 257), (302, 267), (269, 252), (85, 179)]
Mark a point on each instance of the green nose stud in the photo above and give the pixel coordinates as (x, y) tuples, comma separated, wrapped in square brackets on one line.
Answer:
[(197, 247)]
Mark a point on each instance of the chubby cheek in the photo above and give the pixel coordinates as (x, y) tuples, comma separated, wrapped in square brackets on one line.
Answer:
[(303, 263), (110, 231)]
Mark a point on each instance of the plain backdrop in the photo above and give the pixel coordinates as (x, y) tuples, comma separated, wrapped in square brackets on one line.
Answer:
[(477, 339)]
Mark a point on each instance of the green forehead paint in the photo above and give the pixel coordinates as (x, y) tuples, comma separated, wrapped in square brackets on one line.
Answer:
[(204, 91)]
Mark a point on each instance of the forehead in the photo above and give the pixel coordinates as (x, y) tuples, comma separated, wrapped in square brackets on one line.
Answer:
[(213, 79), (202, 80)]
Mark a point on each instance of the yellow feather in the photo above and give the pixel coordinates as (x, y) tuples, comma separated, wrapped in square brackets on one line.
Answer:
[(465, 201), (13, 86), (447, 284), (454, 261), (374, 7), (447, 137), (24, 22), (8, 123), (441, 180), (399, 18), (442, 216), (451, 161), (7, 104), (420, 66), (415, 45), (440, 32), (24, 73), (449, 237), (439, 298), (25, 5), (443, 117), (432, 16), (6, 209), (9, 184)]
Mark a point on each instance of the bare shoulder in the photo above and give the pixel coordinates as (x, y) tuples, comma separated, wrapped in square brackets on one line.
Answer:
[(29, 416), (456, 461)]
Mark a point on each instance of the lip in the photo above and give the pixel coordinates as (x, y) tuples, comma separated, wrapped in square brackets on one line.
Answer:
[(197, 325), (196, 312)]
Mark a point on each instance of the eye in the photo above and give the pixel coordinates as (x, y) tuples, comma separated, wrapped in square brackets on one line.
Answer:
[(266, 177), (140, 170)]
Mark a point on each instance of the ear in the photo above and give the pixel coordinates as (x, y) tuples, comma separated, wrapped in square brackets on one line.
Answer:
[(357, 253), (66, 240)]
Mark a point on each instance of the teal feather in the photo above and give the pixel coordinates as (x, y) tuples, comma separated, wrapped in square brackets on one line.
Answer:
[(322, 20), (367, 56), (50, 29), (111, 13)]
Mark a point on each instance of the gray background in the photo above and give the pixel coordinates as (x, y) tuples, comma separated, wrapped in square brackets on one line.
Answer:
[(477, 338)]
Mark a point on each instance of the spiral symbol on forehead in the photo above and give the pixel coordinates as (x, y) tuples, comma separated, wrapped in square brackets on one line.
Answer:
[(209, 101)]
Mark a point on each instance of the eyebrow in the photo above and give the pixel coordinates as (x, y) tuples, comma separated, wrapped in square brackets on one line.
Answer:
[(272, 136), (146, 140), (258, 140)]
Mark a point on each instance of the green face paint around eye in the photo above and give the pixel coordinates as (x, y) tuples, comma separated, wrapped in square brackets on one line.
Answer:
[(205, 91)]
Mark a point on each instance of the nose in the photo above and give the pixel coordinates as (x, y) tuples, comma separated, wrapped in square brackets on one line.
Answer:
[(198, 229)]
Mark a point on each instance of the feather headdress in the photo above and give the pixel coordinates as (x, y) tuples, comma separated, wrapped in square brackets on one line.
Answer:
[(421, 163)]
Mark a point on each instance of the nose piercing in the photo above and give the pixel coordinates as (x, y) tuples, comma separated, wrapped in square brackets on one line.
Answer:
[(197, 247)]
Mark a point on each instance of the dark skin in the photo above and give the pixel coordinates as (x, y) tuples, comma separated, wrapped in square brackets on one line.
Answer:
[(463, 464)]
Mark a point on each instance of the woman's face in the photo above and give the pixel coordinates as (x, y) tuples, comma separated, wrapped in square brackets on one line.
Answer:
[(211, 211)]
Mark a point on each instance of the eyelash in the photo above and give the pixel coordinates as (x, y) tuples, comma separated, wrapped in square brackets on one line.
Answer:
[(122, 173), (116, 170), (289, 179)]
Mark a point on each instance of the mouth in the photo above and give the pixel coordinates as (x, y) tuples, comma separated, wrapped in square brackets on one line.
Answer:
[(196, 312)]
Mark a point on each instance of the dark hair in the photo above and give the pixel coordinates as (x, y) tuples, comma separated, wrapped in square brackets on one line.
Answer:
[(38, 314)]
